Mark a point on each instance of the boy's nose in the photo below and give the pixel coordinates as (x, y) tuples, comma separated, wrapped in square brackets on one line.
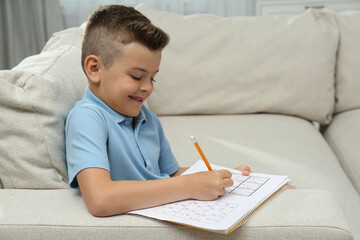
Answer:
[(146, 86)]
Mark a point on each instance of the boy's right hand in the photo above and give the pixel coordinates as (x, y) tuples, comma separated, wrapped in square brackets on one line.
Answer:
[(209, 185)]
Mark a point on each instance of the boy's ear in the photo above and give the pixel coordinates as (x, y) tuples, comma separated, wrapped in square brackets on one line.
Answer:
[(92, 68)]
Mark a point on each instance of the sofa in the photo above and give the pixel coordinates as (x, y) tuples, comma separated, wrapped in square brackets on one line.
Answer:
[(279, 93)]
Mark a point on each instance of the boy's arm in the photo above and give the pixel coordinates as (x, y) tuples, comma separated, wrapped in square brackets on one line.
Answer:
[(105, 197), (180, 171)]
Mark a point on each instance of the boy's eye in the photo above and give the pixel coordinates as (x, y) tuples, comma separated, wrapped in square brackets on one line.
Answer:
[(139, 78), (136, 78)]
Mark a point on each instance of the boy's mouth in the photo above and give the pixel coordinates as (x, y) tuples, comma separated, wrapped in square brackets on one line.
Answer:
[(137, 99)]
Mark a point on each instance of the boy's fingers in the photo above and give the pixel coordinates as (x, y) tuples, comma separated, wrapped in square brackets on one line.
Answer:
[(224, 173), (244, 169), (228, 182), (222, 192), (245, 172)]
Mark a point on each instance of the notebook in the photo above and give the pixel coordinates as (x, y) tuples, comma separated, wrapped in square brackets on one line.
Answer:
[(226, 213)]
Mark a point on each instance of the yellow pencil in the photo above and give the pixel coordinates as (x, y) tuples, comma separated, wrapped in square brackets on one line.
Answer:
[(201, 153)]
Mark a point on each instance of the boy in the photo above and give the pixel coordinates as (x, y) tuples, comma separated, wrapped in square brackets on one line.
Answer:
[(113, 142)]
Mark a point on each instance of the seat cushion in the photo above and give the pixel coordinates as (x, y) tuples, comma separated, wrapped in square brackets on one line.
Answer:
[(343, 135), (62, 214), (268, 143)]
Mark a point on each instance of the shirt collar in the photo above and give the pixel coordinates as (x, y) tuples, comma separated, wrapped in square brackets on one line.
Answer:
[(89, 96)]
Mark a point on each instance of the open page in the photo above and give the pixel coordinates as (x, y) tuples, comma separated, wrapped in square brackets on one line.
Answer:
[(225, 213)]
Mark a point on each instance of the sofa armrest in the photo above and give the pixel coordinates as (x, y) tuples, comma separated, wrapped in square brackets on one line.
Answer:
[(62, 214), (343, 136)]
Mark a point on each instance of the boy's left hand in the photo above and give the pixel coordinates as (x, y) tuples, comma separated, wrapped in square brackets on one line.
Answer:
[(244, 169), (246, 172)]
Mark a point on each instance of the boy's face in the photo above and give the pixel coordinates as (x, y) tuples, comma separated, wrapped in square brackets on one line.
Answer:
[(129, 81)]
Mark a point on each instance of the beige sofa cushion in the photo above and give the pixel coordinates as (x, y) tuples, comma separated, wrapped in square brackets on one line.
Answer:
[(217, 65), (268, 143), (35, 98), (303, 214), (343, 135), (348, 64), (71, 36)]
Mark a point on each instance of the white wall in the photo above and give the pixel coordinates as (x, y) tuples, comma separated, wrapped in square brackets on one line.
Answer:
[(76, 11)]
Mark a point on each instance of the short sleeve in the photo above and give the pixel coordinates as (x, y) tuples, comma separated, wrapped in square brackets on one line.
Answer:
[(86, 137), (167, 161)]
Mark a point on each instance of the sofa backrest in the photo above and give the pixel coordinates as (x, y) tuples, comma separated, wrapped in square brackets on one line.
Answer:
[(276, 64), (35, 98), (348, 62), (212, 65)]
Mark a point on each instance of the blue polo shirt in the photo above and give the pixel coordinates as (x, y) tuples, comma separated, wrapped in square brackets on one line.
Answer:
[(99, 137)]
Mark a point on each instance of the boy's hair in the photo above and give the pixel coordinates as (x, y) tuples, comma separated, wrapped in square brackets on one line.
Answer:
[(111, 27)]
